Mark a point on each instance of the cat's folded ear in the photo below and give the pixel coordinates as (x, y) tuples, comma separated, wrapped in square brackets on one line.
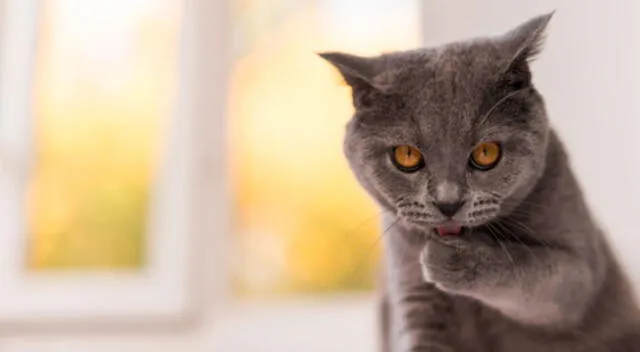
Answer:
[(523, 44), (363, 74)]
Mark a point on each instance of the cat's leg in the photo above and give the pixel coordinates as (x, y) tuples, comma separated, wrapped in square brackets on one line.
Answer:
[(422, 320), (384, 321), (420, 315), (533, 284)]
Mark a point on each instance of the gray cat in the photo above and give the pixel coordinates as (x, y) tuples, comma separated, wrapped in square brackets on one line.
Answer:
[(490, 245)]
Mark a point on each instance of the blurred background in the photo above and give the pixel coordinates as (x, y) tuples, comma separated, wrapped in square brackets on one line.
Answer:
[(105, 86), (117, 112)]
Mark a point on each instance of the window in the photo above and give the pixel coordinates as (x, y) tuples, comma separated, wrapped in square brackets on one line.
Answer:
[(93, 212), (114, 203), (104, 90)]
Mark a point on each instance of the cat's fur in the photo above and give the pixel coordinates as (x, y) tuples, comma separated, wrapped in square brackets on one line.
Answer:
[(533, 272)]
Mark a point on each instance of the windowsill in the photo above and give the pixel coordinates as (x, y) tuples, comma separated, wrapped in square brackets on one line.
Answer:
[(326, 324)]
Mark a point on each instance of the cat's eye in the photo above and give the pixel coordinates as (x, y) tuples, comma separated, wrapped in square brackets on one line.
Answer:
[(485, 156), (407, 158)]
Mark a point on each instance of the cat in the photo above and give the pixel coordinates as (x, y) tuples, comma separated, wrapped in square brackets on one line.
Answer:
[(489, 244)]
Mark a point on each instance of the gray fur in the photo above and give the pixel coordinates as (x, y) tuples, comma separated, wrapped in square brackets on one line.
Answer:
[(533, 272)]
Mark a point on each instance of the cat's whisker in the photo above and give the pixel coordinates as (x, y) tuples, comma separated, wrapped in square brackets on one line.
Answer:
[(512, 220), (520, 209), (504, 248), (364, 222), (531, 234), (524, 202), (513, 235), (374, 245), (525, 207)]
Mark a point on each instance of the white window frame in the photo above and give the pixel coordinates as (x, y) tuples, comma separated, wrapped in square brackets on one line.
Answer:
[(189, 202)]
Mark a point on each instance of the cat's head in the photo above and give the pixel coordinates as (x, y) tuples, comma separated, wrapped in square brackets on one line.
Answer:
[(448, 136)]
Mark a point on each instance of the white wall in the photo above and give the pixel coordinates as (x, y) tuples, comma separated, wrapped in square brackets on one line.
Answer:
[(590, 78)]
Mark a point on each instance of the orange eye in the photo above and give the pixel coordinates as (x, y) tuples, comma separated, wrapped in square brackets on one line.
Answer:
[(485, 156), (407, 158)]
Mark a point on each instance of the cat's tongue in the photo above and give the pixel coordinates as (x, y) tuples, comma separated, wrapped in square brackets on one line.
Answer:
[(449, 230)]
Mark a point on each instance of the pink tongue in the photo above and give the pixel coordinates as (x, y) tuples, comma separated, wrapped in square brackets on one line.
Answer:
[(446, 230)]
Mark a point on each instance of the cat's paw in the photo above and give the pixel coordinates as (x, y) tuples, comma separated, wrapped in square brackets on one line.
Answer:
[(453, 263)]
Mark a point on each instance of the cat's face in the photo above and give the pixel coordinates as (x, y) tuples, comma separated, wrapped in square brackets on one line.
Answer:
[(451, 136)]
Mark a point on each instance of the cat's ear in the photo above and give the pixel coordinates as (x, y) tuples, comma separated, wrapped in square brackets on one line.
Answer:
[(361, 73), (523, 44)]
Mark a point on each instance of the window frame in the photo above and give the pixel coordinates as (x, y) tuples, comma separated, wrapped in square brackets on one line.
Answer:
[(188, 221)]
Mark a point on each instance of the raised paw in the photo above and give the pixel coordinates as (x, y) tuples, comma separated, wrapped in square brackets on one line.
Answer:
[(453, 263)]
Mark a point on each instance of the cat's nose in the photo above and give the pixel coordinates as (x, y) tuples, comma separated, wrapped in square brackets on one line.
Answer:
[(448, 209)]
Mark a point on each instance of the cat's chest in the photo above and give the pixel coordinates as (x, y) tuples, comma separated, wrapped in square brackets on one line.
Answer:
[(498, 334)]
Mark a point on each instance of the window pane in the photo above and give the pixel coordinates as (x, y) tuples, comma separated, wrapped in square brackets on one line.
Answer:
[(105, 83), (302, 222)]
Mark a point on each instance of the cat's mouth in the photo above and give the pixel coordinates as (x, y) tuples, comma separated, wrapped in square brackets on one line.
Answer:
[(449, 229), (501, 233)]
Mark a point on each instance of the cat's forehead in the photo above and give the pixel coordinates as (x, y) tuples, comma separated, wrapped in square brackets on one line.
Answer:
[(446, 91), (456, 71)]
